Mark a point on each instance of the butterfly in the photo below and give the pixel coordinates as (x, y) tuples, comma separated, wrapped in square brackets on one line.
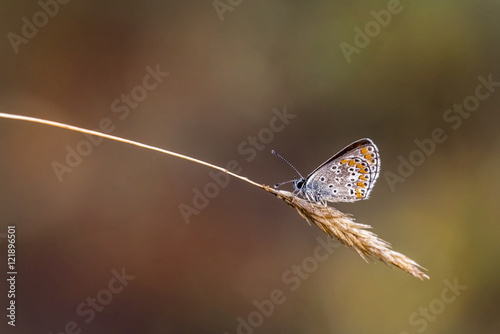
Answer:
[(348, 176)]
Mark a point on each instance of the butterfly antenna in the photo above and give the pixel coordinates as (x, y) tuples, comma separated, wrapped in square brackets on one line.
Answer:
[(289, 164)]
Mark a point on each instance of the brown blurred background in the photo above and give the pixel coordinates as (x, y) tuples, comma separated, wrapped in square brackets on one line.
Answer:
[(228, 69)]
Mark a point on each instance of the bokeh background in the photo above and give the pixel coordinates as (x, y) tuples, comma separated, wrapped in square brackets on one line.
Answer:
[(119, 208)]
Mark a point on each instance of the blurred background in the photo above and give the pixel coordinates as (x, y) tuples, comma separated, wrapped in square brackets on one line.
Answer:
[(229, 81)]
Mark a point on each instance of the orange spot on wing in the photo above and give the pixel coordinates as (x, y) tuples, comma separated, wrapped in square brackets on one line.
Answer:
[(344, 161), (364, 150), (361, 184), (352, 162), (363, 177)]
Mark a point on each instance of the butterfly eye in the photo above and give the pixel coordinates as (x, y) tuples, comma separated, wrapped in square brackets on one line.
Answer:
[(334, 168), (322, 179), (338, 171), (330, 186), (350, 169)]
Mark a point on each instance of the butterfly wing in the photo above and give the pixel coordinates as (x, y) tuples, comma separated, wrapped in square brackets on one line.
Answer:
[(348, 176)]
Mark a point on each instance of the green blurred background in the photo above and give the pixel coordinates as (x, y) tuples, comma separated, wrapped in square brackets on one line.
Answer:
[(227, 72)]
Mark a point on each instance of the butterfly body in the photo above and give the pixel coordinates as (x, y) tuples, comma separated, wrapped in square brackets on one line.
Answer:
[(348, 176)]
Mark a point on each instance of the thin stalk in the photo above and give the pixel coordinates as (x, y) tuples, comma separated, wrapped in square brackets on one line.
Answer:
[(127, 141)]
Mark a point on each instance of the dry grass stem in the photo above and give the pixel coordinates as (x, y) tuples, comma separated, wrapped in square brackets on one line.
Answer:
[(342, 226), (331, 221), (123, 140)]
